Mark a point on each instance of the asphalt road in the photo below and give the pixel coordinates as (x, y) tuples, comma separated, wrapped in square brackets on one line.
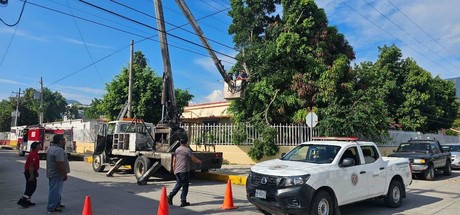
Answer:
[(111, 195), (121, 195)]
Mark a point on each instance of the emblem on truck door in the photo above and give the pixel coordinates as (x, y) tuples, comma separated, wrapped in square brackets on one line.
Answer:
[(354, 178), (263, 180)]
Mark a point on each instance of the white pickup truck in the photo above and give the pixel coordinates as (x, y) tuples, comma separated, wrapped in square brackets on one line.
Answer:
[(319, 176)]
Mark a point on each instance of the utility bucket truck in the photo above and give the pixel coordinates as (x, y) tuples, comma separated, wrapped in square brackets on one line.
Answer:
[(148, 148), (144, 147)]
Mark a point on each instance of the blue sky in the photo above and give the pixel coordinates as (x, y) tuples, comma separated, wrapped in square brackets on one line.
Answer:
[(78, 57)]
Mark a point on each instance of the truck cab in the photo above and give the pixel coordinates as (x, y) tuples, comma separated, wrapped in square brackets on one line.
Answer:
[(427, 156)]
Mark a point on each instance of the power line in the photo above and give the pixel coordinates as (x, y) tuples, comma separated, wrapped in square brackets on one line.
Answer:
[(404, 30), (19, 18), (176, 26), (420, 28), (378, 26), (150, 38), (9, 44), (114, 28), (435, 39), (84, 42), (148, 26)]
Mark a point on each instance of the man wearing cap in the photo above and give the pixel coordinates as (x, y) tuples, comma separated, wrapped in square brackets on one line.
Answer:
[(31, 173), (57, 167)]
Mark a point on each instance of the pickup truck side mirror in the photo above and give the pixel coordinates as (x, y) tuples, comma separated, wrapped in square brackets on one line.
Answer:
[(348, 162), (283, 154)]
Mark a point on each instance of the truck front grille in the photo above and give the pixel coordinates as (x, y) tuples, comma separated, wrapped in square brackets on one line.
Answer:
[(265, 180)]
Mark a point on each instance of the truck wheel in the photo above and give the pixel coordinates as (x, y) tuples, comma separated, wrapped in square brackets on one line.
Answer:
[(322, 204), (21, 152), (394, 196), (97, 163), (141, 165), (429, 173), (447, 169)]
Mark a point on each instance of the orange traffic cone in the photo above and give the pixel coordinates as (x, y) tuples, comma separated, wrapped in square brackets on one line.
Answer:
[(228, 199), (87, 209), (163, 208)]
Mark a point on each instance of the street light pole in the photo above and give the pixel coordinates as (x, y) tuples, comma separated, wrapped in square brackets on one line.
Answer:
[(41, 101), (17, 108)]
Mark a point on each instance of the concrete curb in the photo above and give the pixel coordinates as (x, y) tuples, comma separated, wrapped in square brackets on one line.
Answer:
[(235, 179), (88, 159)]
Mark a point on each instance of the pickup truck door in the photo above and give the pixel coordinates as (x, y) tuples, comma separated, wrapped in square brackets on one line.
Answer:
[(374, 169), (438, 156), (349, 184)]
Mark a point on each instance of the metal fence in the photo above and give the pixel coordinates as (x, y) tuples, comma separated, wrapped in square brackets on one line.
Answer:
[(223, 134), (287, 135)]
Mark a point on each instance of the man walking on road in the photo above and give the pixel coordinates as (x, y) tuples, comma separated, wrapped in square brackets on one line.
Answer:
[(181, 165), (57, 167)]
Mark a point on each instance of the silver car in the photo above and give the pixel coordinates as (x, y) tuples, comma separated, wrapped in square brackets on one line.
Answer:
[(454, 149)]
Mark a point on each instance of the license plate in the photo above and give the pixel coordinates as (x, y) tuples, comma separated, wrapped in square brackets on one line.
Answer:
[(261, 194)]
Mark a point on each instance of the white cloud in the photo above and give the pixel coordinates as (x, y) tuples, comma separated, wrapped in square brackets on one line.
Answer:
[(90, 90), (368, 26), (82, 98), (214, 96), (79, 42), (24, 34), (6, 81)]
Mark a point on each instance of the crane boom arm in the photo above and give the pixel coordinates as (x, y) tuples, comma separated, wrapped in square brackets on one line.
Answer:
[(191, 19)]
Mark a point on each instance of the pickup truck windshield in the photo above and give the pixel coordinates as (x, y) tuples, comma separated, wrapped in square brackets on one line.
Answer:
[(414, 147), (320, 154)]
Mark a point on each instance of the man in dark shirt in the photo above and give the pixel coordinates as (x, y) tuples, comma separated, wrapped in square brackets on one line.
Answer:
[(181, 165)]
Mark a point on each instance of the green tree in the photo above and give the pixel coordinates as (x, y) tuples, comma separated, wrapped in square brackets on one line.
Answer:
[(413, 97), (146, 93), (94, 111), (54, 106), (297, 64), (456, 123), (6, 108)]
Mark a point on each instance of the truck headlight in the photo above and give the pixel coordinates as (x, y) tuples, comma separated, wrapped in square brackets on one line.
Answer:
[(419, 161), (295, 180)]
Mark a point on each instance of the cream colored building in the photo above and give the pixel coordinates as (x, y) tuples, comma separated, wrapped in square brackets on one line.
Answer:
[(207, 113)]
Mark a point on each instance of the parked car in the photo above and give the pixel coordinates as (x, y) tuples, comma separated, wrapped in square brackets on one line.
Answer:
[(454, 149), (319, 176), (426, 157)]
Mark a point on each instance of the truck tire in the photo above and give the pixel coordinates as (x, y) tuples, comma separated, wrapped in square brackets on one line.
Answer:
[(429, 173), (97, 163), (21, 152), (141, 165), (447, 169), (394, 196), (322, 204)]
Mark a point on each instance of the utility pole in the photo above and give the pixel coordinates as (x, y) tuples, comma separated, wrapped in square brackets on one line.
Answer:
[(16, 113), (130, 78), (41, 101)]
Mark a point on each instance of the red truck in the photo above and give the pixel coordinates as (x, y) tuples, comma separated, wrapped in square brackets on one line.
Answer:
[(43, 135)]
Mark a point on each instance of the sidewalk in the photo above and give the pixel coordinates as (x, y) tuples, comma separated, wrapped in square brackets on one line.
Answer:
[(236, 173)]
